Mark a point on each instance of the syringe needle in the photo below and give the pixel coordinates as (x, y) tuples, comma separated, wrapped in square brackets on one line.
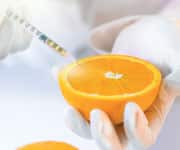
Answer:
[(37, 33)]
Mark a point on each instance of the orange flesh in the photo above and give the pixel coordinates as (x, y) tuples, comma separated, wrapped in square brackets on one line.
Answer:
[(48, 146), (89, 77)]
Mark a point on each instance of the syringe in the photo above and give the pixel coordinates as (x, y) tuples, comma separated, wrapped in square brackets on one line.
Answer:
[(37, 33)]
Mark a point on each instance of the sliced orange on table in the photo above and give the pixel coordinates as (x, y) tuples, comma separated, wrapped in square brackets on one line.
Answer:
[(108, 82), (48, 146)]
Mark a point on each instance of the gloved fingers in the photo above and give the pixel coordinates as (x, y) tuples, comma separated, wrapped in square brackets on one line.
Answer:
[(76, 123), (173, 81), (136, 127), (12, 35), (157, 113), (21, 8), (103, 131), (6, 31), (21, 38)]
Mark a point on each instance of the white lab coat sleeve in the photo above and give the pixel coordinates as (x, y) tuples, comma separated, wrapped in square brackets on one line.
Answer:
[(13, 38)]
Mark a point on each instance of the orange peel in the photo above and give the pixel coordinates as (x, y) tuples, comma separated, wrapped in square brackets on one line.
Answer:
[(49, 145), (108, 82)]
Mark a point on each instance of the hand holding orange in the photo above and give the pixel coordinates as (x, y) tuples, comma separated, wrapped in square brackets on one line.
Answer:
[(108, 82)]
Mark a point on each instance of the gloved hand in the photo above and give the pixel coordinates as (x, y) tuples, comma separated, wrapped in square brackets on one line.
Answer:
[(152, 38), (12, 36), (139, 130)]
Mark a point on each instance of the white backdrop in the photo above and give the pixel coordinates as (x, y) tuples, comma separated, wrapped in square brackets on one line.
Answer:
[(31, 106)]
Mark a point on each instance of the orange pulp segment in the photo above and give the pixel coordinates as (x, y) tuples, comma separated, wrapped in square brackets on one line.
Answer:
[(108, 82)]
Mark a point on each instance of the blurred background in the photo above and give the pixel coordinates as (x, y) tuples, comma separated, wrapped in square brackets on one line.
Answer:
[(31, 105)]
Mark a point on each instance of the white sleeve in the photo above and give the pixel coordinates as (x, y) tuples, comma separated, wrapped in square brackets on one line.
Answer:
[(172, 10), (13, 38)]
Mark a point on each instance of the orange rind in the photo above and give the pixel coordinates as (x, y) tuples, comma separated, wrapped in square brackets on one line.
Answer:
[(50, 145), (108, 82)]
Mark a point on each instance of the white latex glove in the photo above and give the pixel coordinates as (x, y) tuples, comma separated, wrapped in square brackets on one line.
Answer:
[(151, 41), (155, 39), (139, 130), (172, 10), (12, 36), (97, 12)]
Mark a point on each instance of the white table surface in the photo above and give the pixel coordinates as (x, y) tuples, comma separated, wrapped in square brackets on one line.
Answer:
[(31, 105)]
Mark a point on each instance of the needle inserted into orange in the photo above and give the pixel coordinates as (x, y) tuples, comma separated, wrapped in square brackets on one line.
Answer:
[(106, 82)]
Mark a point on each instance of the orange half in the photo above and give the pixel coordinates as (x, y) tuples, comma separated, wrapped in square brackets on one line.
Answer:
[(108, 82), (48, 146)]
